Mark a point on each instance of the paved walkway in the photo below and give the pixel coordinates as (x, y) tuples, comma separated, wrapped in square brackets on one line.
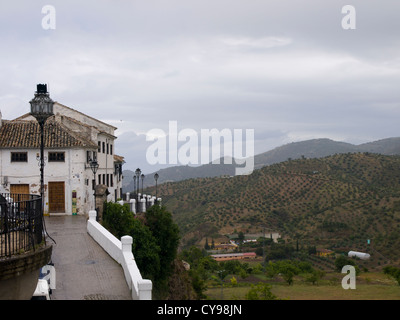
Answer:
[(84, 271)]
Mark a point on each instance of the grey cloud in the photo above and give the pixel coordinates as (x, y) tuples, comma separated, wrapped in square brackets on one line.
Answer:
[(283, 68)]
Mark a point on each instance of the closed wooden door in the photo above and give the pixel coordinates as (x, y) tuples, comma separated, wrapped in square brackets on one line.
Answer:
[(19, 192), (19, 189), (56, 197)]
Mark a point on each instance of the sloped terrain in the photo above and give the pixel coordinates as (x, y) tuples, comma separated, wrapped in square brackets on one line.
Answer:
[(339, 201), (314, 148)]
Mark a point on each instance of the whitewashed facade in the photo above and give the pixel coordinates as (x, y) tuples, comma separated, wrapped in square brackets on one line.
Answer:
[(72, 139)]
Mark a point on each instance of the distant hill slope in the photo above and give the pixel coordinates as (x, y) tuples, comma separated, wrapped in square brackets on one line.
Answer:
[(336, 201), (315, 148), (178, 173)]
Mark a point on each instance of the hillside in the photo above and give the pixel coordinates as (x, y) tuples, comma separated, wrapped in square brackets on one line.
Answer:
[(338, 201), (178, 173), (315, 148)]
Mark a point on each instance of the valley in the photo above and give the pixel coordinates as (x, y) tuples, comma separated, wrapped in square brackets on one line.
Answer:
[(337, 202)]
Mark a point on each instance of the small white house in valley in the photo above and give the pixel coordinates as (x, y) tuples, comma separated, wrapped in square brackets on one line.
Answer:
[(71, 140)]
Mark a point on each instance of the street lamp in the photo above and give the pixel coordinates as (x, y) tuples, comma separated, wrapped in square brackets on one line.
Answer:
[(137, 173), (156, 178), (42, 109), (142, 176), (94, 165), (134, 185)]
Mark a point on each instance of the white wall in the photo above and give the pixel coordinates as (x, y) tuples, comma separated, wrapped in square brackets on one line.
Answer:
[(121, 251), (72, 172), (106, 165)]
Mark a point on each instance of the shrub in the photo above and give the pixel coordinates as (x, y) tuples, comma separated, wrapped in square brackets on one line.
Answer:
[(261, 291), (392, 271), (166, 233), (120, 222), (146, 251), (342, 261), (155, 241), (117, 219)]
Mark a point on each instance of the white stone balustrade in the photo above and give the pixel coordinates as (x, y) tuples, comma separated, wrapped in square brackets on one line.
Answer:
[(145, 202), (121, 251)]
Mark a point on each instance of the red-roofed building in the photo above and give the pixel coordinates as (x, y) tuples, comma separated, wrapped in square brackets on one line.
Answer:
[(71, 140), (234, 256)]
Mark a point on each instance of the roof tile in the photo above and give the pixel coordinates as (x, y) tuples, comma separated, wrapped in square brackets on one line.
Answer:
[(26, 134)]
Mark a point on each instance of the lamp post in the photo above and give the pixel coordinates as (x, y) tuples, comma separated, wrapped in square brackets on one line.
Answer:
[(134, 186), (156, 178), (137, 173), (142, 176), (94, 165), (42, 109)]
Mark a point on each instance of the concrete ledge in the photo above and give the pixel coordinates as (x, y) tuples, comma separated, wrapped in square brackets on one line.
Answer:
[(19, 274), (121, 251)]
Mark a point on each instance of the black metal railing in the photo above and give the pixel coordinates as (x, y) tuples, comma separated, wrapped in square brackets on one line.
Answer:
[(21, 223)]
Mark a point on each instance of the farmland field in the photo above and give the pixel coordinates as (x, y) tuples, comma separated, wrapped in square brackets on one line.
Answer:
[(369, 286)]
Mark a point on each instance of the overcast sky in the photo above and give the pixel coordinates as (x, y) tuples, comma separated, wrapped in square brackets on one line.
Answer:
[(285, 68)]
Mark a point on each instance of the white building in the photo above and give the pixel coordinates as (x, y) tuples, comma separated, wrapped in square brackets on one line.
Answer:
[(72, 139)]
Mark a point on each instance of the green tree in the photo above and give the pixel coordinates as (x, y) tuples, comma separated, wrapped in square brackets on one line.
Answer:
[(117, 219), (314, 276), (146, 251), (192, 255), (305, 267), (261, 291), (288, 275), (221, 276), (241, 237), (243, 273), (199, 283), (312, 249), (259, 251), (166, 234), (201, 267), (155, 241), (288, 269), (120, 222), (207, 246), (280, 251), (392, 271), (342, 261), (231, 266)]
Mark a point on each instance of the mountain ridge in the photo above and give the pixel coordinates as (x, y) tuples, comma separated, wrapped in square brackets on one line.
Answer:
[(313, 148)]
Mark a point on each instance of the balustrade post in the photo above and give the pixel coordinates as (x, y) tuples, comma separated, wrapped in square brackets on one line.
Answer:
[(132, 204)]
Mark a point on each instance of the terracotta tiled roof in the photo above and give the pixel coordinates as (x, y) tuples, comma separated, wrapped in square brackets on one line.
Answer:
[(118, 158), (26, 134), (23, 117)]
